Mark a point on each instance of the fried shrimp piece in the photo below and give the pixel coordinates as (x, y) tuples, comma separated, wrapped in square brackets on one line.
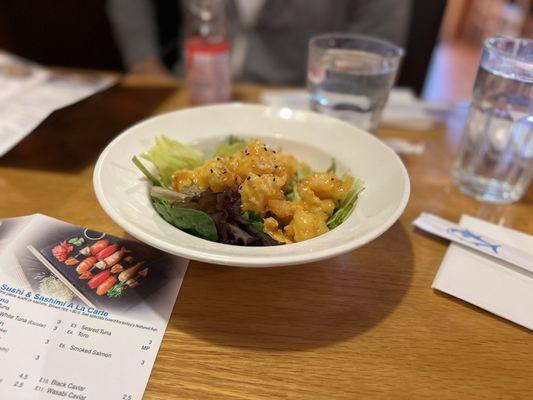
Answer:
[(306, 225), (324, 185), (259, 159), (213, 174), (273, 230), (219, 173), (182, 178), (285, 210), (257, 190)]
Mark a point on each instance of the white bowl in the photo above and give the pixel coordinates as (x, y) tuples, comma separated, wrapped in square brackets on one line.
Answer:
[(122, 190)]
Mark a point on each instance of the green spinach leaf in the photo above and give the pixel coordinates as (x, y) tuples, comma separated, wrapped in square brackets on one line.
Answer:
[(192, 221), (255, 219)]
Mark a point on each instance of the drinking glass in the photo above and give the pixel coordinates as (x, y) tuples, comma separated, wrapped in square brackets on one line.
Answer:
[(350, 77), (495, 160)]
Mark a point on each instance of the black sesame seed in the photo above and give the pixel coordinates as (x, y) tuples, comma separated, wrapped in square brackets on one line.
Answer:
[(249, 178), (273, 179), (211, 170), (274, 151)]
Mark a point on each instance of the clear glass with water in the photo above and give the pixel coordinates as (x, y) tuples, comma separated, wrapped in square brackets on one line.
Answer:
[(350, 76), (495, 160)]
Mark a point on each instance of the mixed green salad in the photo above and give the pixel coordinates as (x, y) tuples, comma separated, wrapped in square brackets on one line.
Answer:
[(245, 193)]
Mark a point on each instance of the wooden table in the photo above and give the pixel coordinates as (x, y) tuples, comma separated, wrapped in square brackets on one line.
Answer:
[(366, 324)]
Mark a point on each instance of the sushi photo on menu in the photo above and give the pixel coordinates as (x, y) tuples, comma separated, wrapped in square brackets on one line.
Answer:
[(92, 297)]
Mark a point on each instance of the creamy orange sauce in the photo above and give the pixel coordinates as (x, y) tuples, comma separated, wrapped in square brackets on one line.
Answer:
[(261, 175)]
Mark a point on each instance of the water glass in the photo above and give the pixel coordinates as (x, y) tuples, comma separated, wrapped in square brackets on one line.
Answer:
[(495, 160), (350, 76)]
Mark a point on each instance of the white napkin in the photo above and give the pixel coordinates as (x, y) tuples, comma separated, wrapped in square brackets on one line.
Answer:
[(486, 282), (403, 108)]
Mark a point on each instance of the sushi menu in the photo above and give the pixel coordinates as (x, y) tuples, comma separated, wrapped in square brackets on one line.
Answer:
[(82, 313)]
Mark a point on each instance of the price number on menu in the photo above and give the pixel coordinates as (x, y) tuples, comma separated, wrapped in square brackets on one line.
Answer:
[(146, 347), (127, 397), (19, 383)]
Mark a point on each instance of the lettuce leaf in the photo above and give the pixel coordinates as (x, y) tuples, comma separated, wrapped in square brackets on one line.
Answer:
[(232, 145), (144, 170), (169, 156), (195, 222), (345, 209)]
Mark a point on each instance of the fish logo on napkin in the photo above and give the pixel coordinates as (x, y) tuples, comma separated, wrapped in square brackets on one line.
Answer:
[(472, 238)]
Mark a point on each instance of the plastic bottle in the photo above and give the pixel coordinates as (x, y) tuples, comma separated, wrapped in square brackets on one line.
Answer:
[(207, 52)]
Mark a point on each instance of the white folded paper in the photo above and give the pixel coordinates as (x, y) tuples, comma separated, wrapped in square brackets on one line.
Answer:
[(29, 93), (402, 110), (486, 281), (475, 240)]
